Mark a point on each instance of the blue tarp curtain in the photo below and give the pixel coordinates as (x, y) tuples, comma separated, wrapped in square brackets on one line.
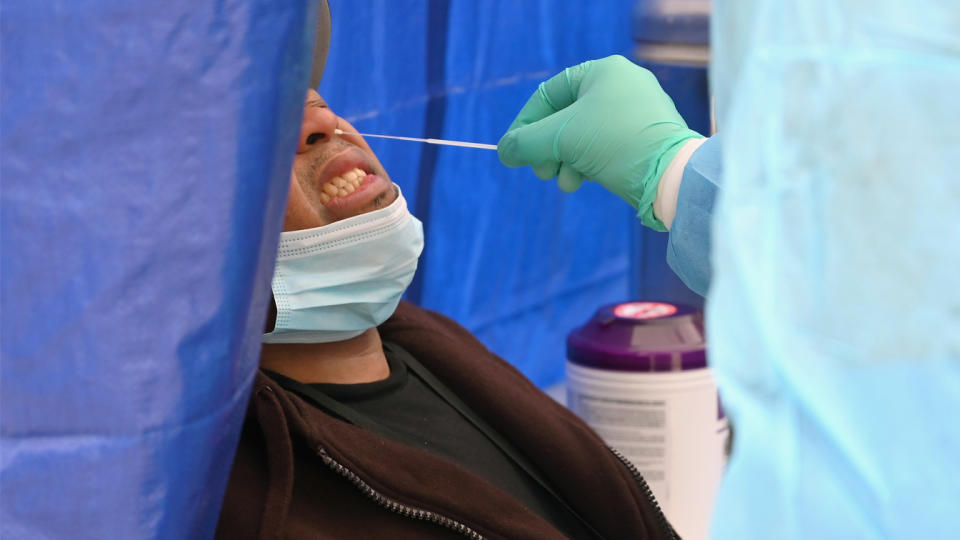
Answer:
[(146, 150), (146, 153)]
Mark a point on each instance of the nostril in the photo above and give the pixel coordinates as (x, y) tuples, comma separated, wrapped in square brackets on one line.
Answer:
[(314, 137)]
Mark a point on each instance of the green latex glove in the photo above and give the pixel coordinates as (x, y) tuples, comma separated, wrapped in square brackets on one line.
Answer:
[(606, 120)]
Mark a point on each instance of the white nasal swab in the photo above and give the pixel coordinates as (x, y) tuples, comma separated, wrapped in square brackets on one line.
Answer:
[(428, 141)]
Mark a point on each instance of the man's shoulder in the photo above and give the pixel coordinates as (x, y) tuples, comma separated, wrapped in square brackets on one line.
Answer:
[(411, 318), (409, 311)]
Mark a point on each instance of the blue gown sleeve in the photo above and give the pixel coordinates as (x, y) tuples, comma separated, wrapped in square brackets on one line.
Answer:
[(688, 244)]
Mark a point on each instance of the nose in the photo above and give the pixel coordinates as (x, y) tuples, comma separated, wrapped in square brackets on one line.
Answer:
[(317, 127)]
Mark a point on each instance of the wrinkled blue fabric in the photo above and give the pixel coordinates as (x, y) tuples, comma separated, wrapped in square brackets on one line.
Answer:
[(146, 157), (834, 306), (688, 244), (515, 260)]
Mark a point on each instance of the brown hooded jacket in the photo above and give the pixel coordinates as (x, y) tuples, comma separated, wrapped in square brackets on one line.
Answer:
[(301, 473)]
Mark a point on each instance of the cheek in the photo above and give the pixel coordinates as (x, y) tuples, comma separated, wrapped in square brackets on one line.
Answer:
[(294, 213), (301, 213)]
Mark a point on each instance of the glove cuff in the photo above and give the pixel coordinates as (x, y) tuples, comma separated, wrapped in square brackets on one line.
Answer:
[(667, 151), (665, 202)]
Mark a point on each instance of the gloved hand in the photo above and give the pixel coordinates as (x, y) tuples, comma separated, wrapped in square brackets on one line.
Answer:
[(607, 120)]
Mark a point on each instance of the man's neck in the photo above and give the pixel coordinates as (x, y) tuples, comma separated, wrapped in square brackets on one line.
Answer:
[(357, 360)]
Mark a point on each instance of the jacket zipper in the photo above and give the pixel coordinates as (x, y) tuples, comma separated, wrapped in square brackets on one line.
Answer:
[(664, 524), (425, 515), (393, 505)]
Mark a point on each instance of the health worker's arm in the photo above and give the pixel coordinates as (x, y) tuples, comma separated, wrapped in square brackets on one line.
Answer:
[(609, 121), (684, 203), (605, 120)]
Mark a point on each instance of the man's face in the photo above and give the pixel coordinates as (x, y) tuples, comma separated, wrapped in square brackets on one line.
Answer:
[(334, 176)]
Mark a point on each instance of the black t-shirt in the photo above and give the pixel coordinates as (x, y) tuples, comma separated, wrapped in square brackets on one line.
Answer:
[(405, 409)]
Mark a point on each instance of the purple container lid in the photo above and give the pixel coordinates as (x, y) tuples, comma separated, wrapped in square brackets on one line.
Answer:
[(640, 336)]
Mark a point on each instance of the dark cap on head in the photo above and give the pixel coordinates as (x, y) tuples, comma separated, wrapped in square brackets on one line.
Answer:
[(322, 44)]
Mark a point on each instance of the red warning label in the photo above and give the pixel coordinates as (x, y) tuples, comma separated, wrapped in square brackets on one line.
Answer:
[(644, 310)]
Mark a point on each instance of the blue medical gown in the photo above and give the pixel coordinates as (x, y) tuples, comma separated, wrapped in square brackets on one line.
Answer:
[(831, 256), (852, 434), (688, 245)]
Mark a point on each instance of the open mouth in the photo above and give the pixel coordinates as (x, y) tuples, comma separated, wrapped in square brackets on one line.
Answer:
[(342, 185), (348, 184)]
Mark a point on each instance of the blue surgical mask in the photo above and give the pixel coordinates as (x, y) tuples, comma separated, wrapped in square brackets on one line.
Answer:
[(334, 282)]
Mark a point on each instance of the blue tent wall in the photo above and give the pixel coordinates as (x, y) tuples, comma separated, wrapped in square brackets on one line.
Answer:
[(508, 256), (145, 158), (146, 153)]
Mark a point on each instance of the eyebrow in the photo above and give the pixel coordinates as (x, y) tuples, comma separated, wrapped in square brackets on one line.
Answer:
[(317, 102)]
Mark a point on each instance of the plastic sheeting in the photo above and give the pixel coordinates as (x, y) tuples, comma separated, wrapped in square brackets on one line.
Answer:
[(510, 257), (835, 305), (146, 155)]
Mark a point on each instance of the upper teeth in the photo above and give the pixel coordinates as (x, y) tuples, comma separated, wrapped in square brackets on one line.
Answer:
[(341, 185)]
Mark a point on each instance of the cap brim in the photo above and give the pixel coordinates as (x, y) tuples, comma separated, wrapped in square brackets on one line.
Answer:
[(322, 43)]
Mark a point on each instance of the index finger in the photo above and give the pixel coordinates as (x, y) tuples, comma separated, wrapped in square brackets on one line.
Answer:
[(554, 94)]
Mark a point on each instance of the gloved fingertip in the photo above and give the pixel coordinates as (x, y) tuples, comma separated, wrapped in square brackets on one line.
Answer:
[(569, 185), (569, 179), (546, 170)]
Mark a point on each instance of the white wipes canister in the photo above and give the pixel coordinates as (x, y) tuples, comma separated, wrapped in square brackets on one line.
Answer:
[(637, 374)]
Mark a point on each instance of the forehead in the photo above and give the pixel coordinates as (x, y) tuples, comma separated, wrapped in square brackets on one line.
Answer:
[(315, 99)]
